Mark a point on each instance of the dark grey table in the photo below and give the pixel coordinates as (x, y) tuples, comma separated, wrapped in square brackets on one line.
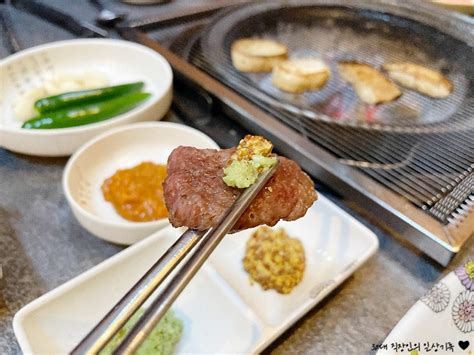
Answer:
[(42, 245)]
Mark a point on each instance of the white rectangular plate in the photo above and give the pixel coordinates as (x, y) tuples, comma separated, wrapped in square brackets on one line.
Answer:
[(220, 310)]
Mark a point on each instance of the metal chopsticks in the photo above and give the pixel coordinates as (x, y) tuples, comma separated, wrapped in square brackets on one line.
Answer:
[(101, 334), (206, 242)]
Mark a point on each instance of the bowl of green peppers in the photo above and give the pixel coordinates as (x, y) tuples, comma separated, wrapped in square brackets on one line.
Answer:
[(139, 89)]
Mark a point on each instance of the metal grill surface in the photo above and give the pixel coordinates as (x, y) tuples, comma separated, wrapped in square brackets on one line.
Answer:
[(420, 148)]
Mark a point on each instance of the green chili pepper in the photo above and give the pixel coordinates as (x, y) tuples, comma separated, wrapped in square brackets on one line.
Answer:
[(84, 97), (78, 116)]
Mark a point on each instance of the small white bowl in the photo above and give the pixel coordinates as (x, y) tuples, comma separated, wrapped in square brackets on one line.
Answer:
[(121, 148), (120, 61)]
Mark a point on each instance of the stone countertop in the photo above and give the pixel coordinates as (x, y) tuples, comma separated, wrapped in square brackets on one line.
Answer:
[(42, 245)]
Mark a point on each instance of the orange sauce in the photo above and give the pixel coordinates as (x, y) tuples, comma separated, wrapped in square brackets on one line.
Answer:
[(137, 193)]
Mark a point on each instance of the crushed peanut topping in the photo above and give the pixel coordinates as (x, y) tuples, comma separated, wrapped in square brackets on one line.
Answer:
[(251, 158), (250, 146), (274, 260)]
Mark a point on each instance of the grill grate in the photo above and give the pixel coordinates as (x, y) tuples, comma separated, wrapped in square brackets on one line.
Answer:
[(431, 169), (423, 168), (358, 32), (456, 202)]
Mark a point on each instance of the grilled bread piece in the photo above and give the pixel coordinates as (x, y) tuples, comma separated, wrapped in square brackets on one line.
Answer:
[(300, 75), (197, 197), (370, 84), (257, 55), (416, 77)]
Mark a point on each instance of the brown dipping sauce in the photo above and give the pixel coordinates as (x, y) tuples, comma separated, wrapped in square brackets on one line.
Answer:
[(137, 193)]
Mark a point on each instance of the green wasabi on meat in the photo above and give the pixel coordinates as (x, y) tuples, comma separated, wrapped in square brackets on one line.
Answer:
[(251, 158), (244, 173)]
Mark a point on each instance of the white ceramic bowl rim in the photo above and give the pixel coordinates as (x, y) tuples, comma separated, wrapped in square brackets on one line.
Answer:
[(75, 42), (92, 142)]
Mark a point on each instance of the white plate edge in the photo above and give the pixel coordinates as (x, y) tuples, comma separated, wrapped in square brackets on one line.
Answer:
[(268, 333), (68, 285), (273, 333)]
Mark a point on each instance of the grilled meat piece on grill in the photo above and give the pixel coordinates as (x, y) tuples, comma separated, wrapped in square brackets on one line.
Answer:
[(370, 84), (197, 197), (300, 75), (416, 77), (255, 55)]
